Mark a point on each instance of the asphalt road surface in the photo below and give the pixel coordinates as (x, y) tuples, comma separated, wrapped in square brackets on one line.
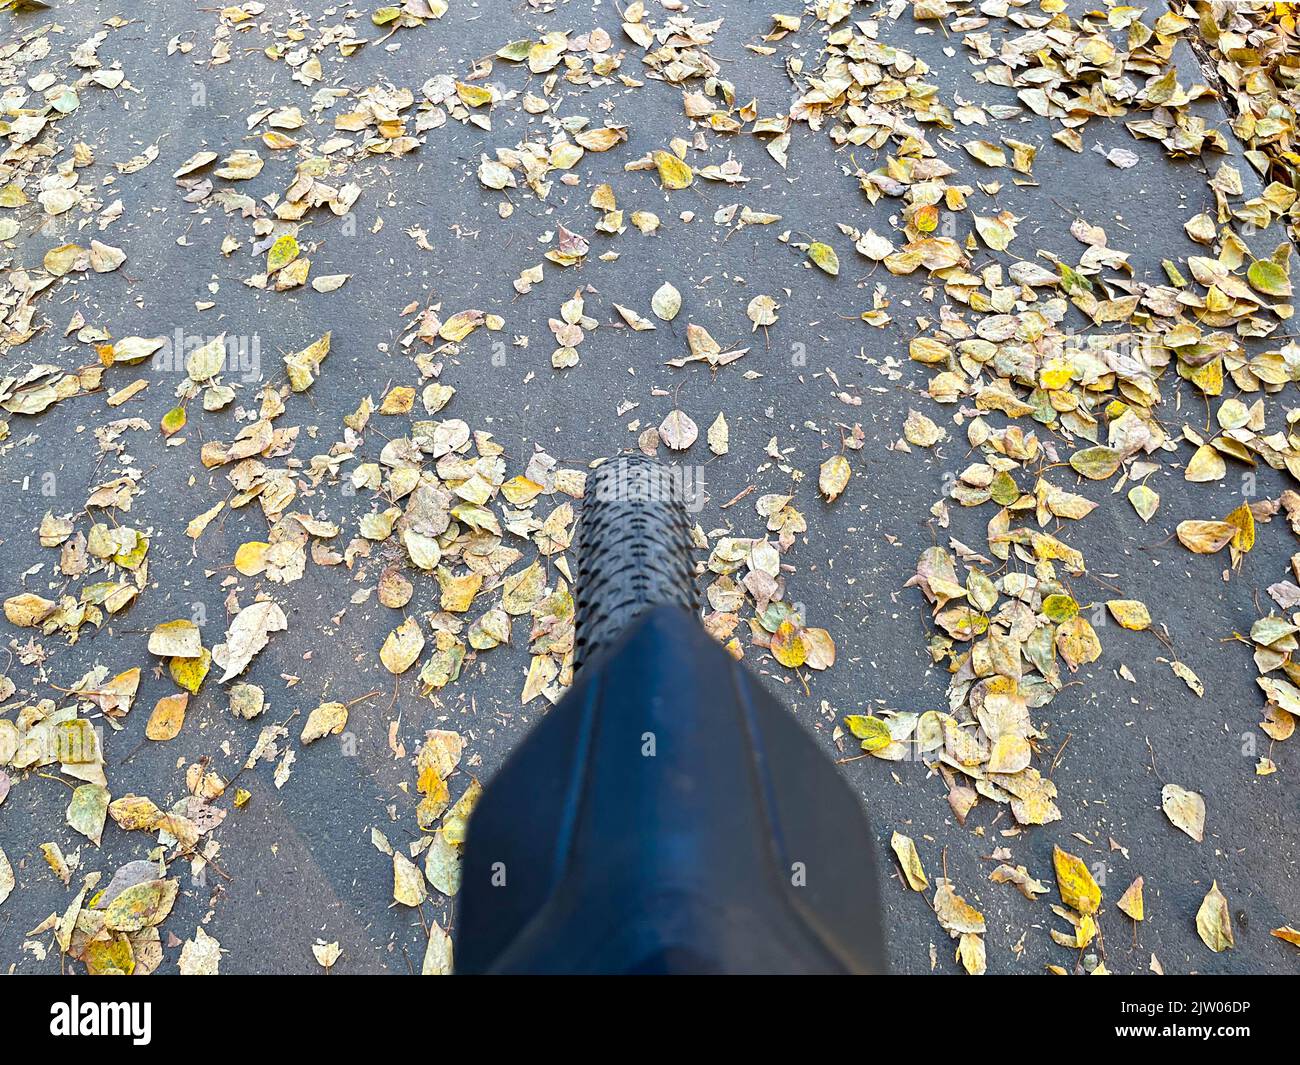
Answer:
[(297, 864)]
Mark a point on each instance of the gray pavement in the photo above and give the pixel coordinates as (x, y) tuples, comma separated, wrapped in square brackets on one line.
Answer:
[(297, 863)]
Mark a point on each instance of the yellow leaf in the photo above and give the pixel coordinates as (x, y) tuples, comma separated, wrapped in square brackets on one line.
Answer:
[(987, 153), (1019, 876), (12, 196), (1269, 278), (408, 881), (110, 957), (325, 719), (173, 421), (326, 953), (666, 302), (957, 916), (1206, 537), (515, 51), (674, 173), (1077, 887), (520, 490), (824, 258), (719, 435), (521, 591), (1130, 613), (65, 258), (277, 141), (176, 639), (834, 476), (788, 646), (1010, 754), (87, 810), (1187, 675), (399, 401), (1206, 465), (457, 592), (602, 138), (1213, 922), (473, 95), (1242, 521), (196, 527), (250, 559), (970, 951), (1186, 809), (167, 718), (1077, 642), (190, 672), (402, 647), (1060, 608), (461, 324), (1055, 373), (873, 732), (141, 906), (132, 812), (27, 609), (292, 275), (922, 431), (282, 253), (303, 366), (1095, 463), (910, 861), (1131, 901)]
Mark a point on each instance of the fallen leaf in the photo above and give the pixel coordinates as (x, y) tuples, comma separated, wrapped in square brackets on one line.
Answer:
[(957, 916), (176, 639), (167, 718), (1019, 876), (1130, 613), (1095, 463), (7, 882), (678, 431), (438, 954), (1131, 901), (141, 905), (1186, 809), (718, 435), (326, 953), (824, 258), (1144, 500), (402, 647), (909, 861), (1184, 673), (248, 634), (408, 881), (200, 956), (673, 172), (1205, 537), (833, 477), (325, 719), (971, 953), (788, 646), (1075, 882), (1213, 922), (88, 810), (666, 302)]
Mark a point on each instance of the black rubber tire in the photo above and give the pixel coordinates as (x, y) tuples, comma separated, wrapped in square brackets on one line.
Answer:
[(634, 551)]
